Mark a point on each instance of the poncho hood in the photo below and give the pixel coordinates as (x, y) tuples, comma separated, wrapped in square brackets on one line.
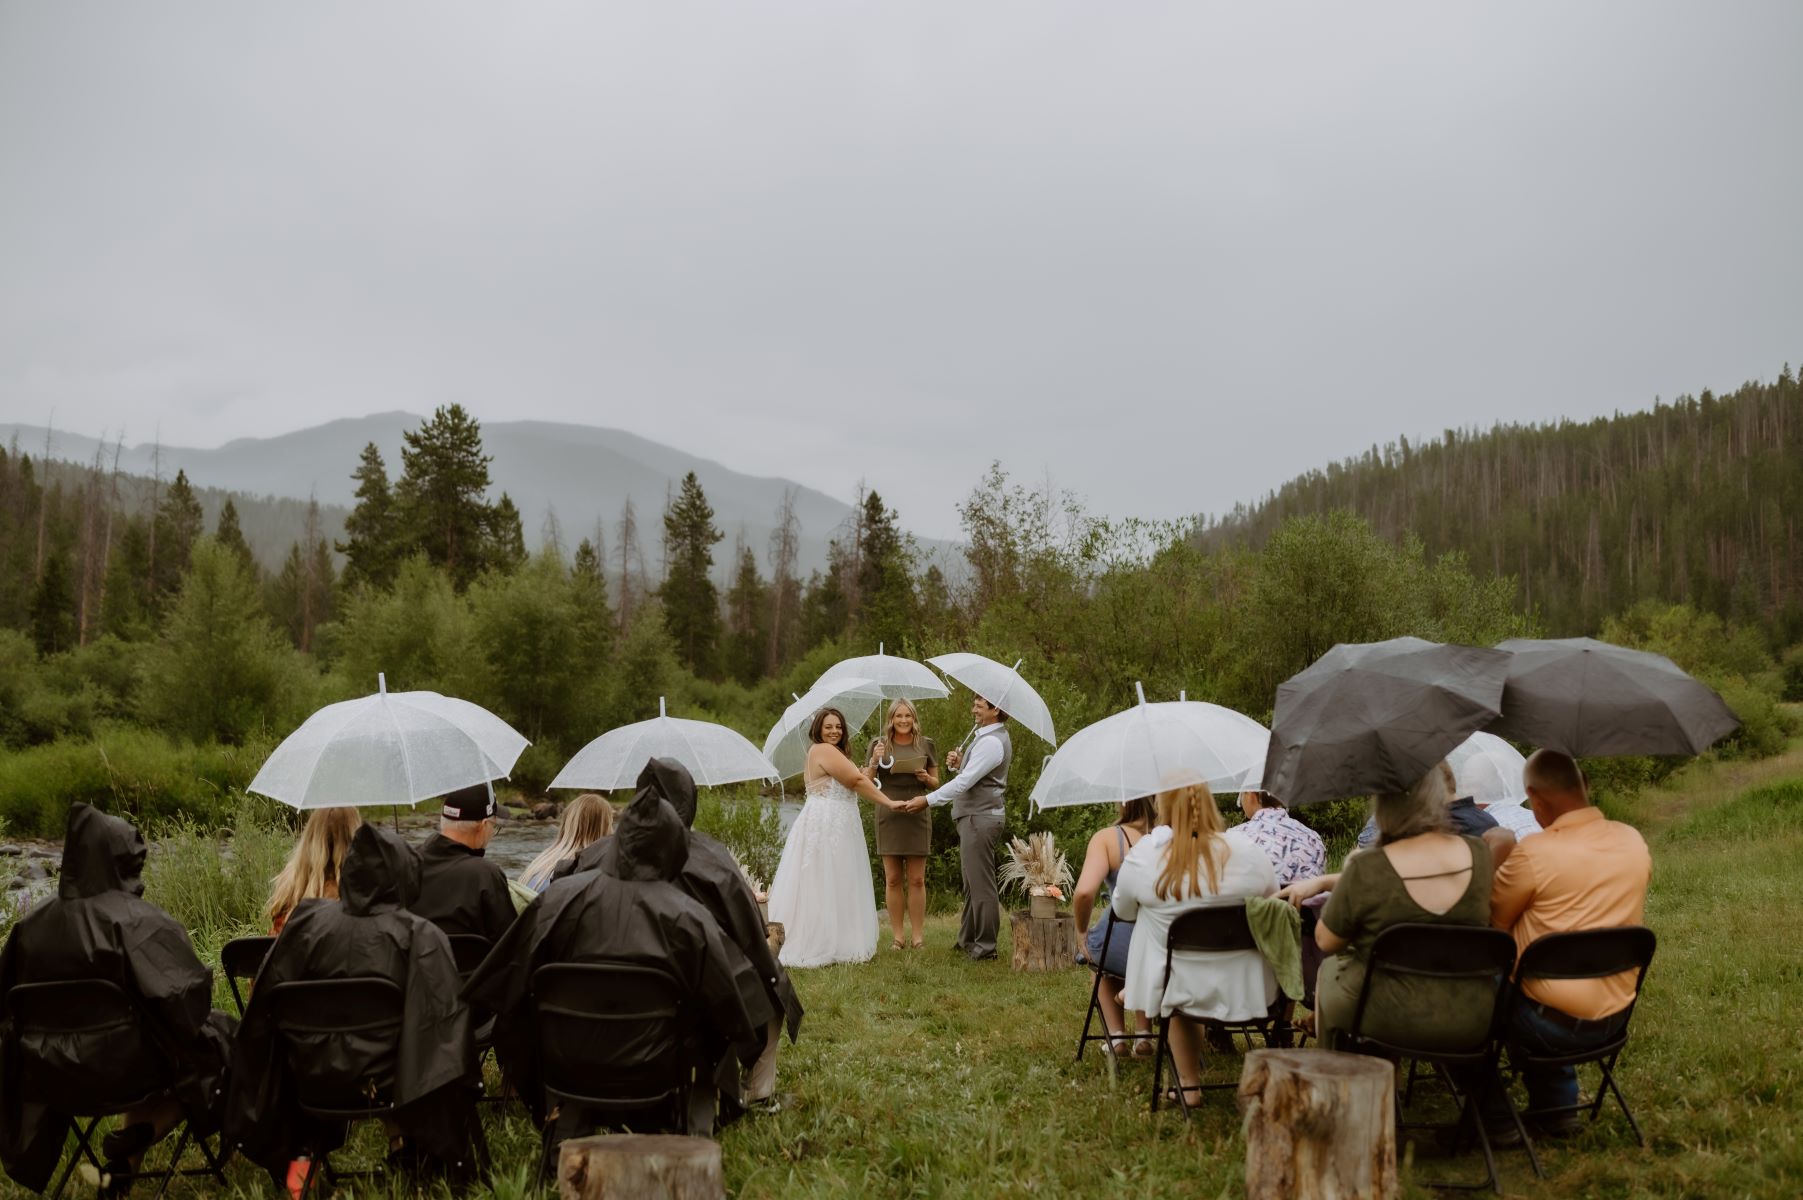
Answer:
[(380, 872), (650, 841), (671, 780), (101, 853)]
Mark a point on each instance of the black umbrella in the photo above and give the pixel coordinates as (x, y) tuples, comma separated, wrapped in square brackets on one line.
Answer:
[(1376, 716), (1589, 698)]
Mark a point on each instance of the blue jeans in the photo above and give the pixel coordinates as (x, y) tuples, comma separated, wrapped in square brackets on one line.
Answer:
[(1532, 1032)]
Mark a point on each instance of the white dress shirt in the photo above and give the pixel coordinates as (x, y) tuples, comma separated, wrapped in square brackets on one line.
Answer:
[(984, 756)]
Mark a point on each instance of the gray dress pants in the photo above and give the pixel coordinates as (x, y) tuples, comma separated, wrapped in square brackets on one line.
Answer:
[(978, 836)]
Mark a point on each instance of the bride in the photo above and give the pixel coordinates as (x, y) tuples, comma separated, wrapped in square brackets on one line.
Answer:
[(822, 892)]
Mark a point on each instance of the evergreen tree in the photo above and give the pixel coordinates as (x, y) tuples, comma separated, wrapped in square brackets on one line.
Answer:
[(594, 618), (507, 539), (230, 535), (124, 614), (747, 621), (525, 624), (442, 494), (369, 549), (52, 607), (219, 670), (179, 522), (886, 611), (691, 601), (301, 596), (825, 608), (644, 668)]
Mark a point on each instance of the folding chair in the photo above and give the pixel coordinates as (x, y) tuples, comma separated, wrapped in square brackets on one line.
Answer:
[(360, 1020), (1447, 952), (1588, 954), (1094, 1012), (1213, 927), (126, 1070), (595, 1018), (242, 958), (468, 951)]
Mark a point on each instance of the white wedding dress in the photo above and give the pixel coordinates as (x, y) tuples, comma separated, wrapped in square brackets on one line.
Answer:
[(822, 892)]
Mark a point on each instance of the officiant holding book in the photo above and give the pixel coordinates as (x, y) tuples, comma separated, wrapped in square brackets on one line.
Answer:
[(905, 765)]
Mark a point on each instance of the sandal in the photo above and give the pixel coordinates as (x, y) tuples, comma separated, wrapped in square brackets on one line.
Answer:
[(1145, 1048), (896, 944), (920, 943)]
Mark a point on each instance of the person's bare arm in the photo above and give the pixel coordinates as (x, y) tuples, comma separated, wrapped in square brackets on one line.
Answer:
[(834, 763), (1302, 889), (1089, 883), (1327, 939), (1502, 844)]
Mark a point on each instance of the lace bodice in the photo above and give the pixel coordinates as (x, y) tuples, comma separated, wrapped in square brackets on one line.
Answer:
[(827, 788)]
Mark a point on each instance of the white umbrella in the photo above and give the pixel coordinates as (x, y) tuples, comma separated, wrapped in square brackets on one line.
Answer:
[(1488, 769), (896, 677), (713, 754), (1149, 748), (388, 749), (787, 745), (1002, 687)]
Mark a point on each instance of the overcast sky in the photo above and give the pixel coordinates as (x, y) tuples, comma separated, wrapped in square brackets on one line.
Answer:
[(1169, 255)]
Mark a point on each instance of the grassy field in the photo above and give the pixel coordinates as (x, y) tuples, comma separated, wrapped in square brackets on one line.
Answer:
[(921, 1074)]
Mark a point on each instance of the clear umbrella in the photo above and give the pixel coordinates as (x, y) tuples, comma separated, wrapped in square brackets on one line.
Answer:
[(713, 754), (1002, 687), (1488, 770), (391, 748), (898, 678), (787, 745), (1149, 748)]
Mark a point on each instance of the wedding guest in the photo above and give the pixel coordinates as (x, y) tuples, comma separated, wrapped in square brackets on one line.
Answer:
[(1184, 864), (904, 837), (1108, 848), (1419, 872), (1464, 815), (585, 820), (459, 890), (311, 872), (1295, 850), (99, 926)]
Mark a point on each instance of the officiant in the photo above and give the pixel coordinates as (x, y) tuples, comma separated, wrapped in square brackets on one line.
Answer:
[(905, 765)]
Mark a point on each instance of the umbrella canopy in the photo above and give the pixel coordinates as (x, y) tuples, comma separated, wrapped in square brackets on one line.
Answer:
[(897, 678), (387, 749), (1589, 698), (713, 754), (1375, 716), (1488, 770), (787, 745), (1002, 687), (1149, 748)]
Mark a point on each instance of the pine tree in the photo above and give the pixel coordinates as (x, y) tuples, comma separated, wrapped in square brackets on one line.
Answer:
[(371, 555), (594, 619), (691, 601), (747, 621), (179, 522), (507, 539), (442, 494), (52, 607), (886, 604), (785, 589), (230, 535)]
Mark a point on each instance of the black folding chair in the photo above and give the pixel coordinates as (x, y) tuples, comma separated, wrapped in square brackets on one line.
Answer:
[(1588, 954), (615, 1038), (1216, 928), (342, 1039), (123, 1071), (242, 958), (1094, 1012), (468, 951), (1478, 954)]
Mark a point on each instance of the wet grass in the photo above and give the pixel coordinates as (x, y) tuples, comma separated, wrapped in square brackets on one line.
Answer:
[(921, 1074)]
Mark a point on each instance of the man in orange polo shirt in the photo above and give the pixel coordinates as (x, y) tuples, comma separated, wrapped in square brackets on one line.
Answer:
[(1584, 872)]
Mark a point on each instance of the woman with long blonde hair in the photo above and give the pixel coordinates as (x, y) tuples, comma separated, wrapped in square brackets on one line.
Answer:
[(1188, 862), (904, 837), (311, 872), (586, 820)]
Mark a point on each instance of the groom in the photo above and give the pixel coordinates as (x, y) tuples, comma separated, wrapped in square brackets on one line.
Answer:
[(975, 795)]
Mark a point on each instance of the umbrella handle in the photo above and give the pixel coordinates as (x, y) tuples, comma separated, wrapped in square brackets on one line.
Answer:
[(885, 763)]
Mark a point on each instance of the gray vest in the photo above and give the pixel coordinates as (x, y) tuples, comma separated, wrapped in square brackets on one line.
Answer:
[(987, 794)]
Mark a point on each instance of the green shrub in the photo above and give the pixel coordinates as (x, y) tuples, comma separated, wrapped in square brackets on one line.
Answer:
[(216, 881), (1793, 674), (750, 825), (136, 773)]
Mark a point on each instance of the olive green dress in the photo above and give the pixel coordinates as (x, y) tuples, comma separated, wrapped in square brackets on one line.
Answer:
[(1369, 898), (908, 835)]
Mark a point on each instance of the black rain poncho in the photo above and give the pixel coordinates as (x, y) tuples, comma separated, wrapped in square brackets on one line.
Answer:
[(367, 931), (632, 911), (99, 926), (460, 891), (712, 876)]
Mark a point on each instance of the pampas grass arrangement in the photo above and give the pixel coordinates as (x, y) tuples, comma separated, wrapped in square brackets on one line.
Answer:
[(1036, 866)]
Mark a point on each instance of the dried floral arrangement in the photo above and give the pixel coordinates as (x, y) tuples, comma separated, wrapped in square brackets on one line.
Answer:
[(1036, 867)]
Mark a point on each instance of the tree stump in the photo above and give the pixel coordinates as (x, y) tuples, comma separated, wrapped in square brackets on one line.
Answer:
[(773, 933), (1043, 944), (1319, 1124), (630, 1166)]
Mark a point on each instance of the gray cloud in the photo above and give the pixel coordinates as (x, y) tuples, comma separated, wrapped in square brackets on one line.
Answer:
[(1170, 254)]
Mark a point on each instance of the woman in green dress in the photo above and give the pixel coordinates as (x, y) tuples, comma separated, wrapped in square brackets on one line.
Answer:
[(905, 765)]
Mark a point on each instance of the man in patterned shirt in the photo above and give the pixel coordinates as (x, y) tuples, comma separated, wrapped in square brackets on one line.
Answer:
[(1295, 850)]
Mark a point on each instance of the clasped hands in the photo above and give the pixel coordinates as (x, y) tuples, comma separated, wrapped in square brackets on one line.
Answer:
[(909, 806)]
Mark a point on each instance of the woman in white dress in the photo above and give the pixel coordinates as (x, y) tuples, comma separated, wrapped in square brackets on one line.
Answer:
[(822, 892), (1186, 863)]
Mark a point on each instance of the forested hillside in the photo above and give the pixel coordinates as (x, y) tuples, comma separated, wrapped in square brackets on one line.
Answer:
[(1697, 502)]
